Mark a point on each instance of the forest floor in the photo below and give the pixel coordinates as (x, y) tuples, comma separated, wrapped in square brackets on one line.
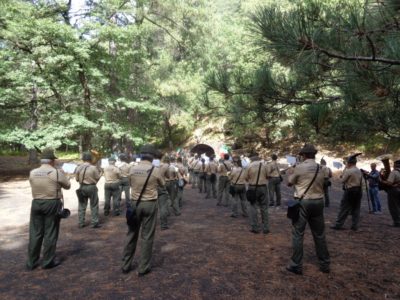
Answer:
[(204, 255)]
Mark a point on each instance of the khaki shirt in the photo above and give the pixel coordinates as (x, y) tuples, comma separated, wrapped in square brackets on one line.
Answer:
[(171, 173), (203, 167), (251, 173), (352, 177), (224, 168), (92, 174), (212, 168), (44, 182), (196, 165), (273, 169), (112, 174), (138, 176), (125, 168), (190, 162), (327, 172), (162, 170), (181, 170), (394, 177), (234, 176), (302, 177)]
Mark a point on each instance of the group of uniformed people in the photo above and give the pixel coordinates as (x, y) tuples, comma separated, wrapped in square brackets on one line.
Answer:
[(159, 186)]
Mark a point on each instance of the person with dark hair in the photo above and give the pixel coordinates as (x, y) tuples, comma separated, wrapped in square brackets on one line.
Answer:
[(373, 188), (224, 169), (351, 201), (393, 181), (196, 167), (125, 168), (190, 162), (202, 177), (88, 175), (238, 183), (163, 196), (211, 179), (171, 183), (112, 176), (256, 176), (274, 182), (308, 180), (46, 183), (181, 181), (146, 211)]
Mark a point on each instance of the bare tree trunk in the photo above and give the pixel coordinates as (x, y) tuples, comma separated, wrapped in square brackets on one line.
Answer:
[(33, 157)]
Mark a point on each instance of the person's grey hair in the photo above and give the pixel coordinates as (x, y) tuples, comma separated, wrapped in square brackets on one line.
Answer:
[(45, 161)]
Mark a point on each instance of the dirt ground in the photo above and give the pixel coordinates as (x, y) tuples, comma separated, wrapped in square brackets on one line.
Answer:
[(204, 255)]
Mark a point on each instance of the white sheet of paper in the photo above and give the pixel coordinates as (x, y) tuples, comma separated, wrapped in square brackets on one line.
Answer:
[(104, 163), (337, 165), (69, 168), (291, 160)]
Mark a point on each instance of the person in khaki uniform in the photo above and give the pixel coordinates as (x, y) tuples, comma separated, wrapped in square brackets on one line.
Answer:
[(88, 175), (393, 181), (202, 177), (146, 211), (125, 168), (211, 178), (163, 196), (274, 182), (171, 182), (224, 168), (112, 176), (351, 201), (327, 182), (250, 175), (190, 162), (311, 210), (181, 175), (239, 184), (196, 167), (46, 183)]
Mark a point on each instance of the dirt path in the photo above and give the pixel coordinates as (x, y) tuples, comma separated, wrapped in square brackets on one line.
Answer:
[(205, 255)]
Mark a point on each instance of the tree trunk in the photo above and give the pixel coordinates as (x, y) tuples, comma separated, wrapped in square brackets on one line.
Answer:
[(33, 157)]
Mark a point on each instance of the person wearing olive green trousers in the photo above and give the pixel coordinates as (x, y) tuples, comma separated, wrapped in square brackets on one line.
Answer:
[(112, 176), (224, 169), (311, 210), (146, 211), (125, 168), (46, 183), (88, 175)]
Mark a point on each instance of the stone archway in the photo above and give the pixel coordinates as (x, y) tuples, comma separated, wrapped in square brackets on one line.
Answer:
[(203, 148)]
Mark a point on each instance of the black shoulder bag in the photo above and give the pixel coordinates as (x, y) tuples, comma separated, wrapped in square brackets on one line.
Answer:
[(79, 191), (131, 217), (251, 194), (232, 186), (293, 211)]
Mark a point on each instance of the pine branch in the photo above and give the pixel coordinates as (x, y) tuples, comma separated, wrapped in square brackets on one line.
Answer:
[(310, 45)]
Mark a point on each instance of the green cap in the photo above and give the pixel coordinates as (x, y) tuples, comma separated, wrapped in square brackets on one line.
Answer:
[(352, 159), (308, 149), (48, 153)]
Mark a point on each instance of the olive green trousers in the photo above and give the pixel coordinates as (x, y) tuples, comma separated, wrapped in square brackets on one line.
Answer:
[(44, 226)]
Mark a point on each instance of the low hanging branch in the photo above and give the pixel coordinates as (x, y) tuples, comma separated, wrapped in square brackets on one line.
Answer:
[(308, 44)]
